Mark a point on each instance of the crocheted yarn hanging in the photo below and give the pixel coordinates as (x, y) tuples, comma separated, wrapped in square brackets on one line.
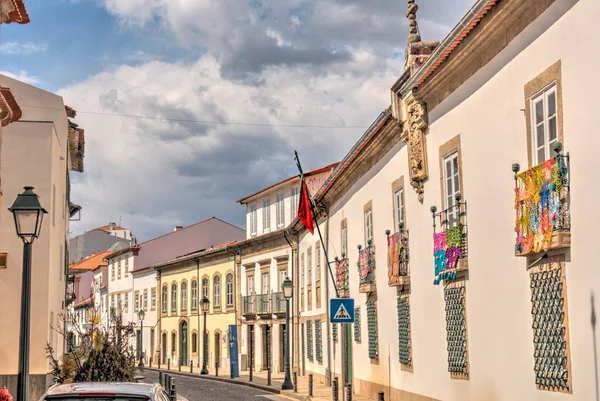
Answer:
[(447, 250), (395, 245), (364, 263), (341, 274), (538, 204)]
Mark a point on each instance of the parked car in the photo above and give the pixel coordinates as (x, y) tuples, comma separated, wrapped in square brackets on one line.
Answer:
[(104, 391)]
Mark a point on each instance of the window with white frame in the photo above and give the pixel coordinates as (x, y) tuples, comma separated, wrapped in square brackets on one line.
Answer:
[(317, 262), (344, 236), (265, 282), (280, 211), (295, 199), (184, 296), (153, 298), (146, 299), (194, 294), (302, 271), (204, 288), (266, 215), (163, 299), (309, 265), (451, 187), (282, 277), (253, 220), (368, 226), (399, 207), (217, 292), (250, 283), (174, 298), (544, 122), (229, 289)]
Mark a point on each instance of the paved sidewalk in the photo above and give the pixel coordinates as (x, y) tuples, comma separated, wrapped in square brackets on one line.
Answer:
[(259, 380)]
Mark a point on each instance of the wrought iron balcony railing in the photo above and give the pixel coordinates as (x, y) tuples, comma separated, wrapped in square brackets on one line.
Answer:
[(366, 267), (277, 302), (248, 305), (70, 289), (450, 246), (542, 205), (397, 256), (263, 304)]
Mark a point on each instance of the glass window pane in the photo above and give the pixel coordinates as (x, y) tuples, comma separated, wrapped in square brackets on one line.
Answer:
[(448, 171), (541, 140), (456, 186), (539, 111), (449, 186), (541, 155), (455, 164), (552, 104), (552, 129)]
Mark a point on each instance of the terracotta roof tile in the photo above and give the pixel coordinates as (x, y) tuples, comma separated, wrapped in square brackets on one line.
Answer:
[(13, 11), (108, 227), (9, 103), (91, 262)]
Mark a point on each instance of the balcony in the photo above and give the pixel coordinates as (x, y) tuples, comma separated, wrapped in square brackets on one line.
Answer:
[(70, 290), (542, 206), (263, 304), (248, 306), (450, 246), (341, 276), (277, 303), (366, 268), (398, 272)]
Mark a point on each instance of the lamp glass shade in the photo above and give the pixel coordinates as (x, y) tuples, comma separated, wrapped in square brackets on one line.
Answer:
[(204, 304), (287, 287), (28, 215), (141, 314)]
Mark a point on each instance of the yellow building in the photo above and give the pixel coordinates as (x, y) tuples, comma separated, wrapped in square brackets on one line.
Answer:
[(183, 283)]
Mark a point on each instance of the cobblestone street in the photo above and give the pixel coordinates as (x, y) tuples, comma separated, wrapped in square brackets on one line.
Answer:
[(209, 390)]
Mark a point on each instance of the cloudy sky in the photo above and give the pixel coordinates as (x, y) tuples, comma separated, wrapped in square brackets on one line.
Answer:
[(283, 68)]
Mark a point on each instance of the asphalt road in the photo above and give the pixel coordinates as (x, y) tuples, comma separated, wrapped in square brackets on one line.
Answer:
[(197, 389)]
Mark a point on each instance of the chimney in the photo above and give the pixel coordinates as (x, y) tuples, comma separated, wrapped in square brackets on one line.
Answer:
[(177, 228)]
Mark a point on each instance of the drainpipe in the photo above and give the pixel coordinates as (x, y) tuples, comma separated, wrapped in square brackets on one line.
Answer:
[(198, 292), (291, 350), (329, 342)]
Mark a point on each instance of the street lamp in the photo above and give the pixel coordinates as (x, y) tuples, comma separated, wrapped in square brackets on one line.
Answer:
[(141, 316), (287, 288), (28, 214), (204, 305)]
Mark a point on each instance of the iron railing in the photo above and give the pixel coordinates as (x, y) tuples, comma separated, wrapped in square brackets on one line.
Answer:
[(453, 218), (277, 302), (263, 304), (248, 305)]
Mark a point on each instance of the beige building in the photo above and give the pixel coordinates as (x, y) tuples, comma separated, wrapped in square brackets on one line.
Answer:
[(183, 282), (471, 204), (37, 151)]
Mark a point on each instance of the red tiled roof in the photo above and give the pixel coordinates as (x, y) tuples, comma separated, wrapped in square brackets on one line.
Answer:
[(84, 302), (91, 262), (15, 12), (108, 227), (306, 174), (457, 41), (122, 251), (9, 103)]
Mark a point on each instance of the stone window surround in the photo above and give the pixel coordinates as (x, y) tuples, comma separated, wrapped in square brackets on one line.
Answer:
[(552, 75), (453, 145)]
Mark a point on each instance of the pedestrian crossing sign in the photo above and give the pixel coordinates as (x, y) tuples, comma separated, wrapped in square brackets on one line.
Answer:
[(341, 310)]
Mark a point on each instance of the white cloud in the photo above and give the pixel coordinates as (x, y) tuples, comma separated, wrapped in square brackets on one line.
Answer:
[(22, 48), (22, 76), (177, 172)]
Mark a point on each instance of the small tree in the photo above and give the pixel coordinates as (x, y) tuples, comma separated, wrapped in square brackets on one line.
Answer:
[(107, 355)]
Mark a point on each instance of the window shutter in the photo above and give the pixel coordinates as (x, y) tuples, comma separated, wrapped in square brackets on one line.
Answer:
[(372, 329)]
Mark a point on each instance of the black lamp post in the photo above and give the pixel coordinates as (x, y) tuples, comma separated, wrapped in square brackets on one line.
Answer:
[(204, 304), (141, 315), (287, 287), (28, 214)]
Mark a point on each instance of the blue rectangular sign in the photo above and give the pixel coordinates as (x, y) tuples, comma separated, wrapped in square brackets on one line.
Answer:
[(233, 350), (341, 310)]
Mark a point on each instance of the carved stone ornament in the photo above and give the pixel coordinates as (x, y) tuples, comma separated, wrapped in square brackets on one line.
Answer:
[(412, 114)]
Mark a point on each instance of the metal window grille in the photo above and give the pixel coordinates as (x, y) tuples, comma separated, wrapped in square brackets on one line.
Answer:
[(309, 340), (404, 351), (357, 324), (372, 329), (318, 341), (456, 330)]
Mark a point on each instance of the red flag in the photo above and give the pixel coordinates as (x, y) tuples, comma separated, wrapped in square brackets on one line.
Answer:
[(305, 210)]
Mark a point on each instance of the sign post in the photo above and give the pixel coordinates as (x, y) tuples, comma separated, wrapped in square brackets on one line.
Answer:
[(233, 351)]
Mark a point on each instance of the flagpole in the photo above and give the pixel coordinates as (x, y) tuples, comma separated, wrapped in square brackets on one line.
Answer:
[(312, 212)]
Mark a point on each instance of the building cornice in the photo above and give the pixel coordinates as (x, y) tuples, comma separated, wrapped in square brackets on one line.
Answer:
[(13, 11), (9, 108)]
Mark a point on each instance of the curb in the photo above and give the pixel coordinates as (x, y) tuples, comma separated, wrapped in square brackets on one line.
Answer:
[(221, 379)]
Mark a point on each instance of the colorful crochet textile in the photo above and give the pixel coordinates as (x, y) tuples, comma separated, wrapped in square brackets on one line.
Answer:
[(341, 274), (447, 250), (396, 268), (538, 204), (364, 263)]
